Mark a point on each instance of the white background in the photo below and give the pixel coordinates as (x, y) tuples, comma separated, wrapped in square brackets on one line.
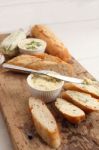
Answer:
[(76, 23)]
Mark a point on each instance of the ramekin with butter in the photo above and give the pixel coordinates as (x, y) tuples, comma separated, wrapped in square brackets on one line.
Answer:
[(32, 46), (45, 87)]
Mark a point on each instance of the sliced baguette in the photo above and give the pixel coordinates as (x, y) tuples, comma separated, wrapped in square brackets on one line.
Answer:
[(44, 122), (92, 89), (82, 100), (71, 112)]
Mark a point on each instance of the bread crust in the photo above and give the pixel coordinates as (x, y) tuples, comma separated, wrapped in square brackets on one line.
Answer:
[(54, 46), (75, 87), (84, 107), (47, 57), (23, 60), (73, 119), (51, 137), (42, 62)]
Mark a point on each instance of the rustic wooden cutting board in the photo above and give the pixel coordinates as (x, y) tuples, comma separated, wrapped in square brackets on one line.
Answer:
[(14, 95)]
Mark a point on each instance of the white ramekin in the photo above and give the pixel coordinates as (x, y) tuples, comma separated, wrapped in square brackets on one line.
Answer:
[(47, 96), (26, 51)]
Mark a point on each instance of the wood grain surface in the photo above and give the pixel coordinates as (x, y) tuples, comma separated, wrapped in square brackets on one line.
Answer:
[(14, 95)]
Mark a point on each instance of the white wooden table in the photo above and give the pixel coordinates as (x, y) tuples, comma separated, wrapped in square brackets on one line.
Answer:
[(76, 22)]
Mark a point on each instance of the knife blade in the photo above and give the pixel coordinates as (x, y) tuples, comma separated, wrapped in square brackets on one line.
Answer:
[(46, 72)]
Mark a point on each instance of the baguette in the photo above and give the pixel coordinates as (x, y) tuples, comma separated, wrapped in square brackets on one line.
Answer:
[(23, 60), (54, 46), (42, 65), (42, 62), (52, 66), (84, 101), (44, 122), (92, 89), (47, 57), (71, 112)]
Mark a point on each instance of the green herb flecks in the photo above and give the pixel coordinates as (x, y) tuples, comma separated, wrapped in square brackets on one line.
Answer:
[(32, 45)]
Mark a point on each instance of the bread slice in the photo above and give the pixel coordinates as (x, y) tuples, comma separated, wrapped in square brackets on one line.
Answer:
[(82, 100), (71, 112), (44, 122), (92, 89)]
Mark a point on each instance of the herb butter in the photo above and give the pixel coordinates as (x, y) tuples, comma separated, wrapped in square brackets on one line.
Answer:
[(44, 82), (32, 45)]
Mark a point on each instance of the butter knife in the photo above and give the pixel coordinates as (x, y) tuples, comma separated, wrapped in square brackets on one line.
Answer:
[(46, 72)]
